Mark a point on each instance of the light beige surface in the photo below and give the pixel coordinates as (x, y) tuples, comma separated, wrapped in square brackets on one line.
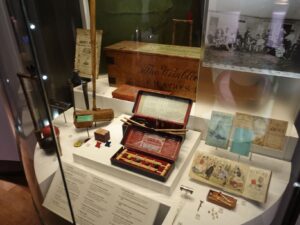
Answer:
[(153, 48)]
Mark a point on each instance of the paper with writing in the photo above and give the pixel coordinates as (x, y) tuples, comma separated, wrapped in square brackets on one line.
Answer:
[(163, 108), (275, 135), (267, 132), (83, 58), (98, 201)]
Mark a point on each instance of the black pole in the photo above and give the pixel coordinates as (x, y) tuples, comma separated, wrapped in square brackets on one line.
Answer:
[(293, 210), (46, 102)]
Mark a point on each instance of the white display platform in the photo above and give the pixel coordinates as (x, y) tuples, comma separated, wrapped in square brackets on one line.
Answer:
[(99, 159), (246, 212)]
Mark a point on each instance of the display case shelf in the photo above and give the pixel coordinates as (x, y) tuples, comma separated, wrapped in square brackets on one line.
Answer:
[(246, 212), (201, 112)]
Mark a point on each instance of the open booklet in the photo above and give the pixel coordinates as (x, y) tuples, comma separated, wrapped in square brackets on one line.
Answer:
[(233, 177)]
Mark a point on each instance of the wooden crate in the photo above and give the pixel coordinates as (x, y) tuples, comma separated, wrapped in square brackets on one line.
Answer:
[(163, 67)]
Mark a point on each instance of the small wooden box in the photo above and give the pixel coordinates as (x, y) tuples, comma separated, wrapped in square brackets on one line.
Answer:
[(156, 66), (221, 199), (102, 135), (160, 111)]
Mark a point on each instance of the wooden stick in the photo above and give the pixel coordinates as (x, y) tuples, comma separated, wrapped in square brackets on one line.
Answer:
[(161, 130), (172, 130), (136, 123), (121, 154), (139, 164), (223, 201), (147, 160), (124, 121), (178, 133), (168, 131), (165, 170), (224, 197), (93, 48)]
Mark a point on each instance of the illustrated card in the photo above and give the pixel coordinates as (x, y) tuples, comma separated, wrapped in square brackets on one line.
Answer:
[(231, 176), (203, 166), (237, 177), (221, 172), (257, 184), (219, 129)]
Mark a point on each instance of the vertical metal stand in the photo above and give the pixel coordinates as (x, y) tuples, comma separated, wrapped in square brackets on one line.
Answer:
[(250, 158), (46, 104), (65, 117), (189, 22), (87, 130)]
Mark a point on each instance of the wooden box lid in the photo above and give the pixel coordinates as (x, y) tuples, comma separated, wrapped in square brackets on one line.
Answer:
[(161, 145), (162, 107), (129, 92), (156, 49)]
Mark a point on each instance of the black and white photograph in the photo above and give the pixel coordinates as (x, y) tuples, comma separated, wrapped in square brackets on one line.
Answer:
[(266, 44)]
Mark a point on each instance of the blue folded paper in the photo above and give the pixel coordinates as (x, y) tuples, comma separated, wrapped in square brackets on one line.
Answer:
[(242, 140)]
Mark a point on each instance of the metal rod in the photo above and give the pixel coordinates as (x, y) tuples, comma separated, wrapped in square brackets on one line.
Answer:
[(85, 94), (21, 76), (46, 104), (72, 92)]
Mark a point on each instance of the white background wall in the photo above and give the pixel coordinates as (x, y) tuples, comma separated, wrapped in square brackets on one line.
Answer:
[(258, 8)]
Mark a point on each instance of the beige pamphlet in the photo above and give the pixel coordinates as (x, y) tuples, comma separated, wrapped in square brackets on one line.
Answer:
[(275, 135), (83, 58)]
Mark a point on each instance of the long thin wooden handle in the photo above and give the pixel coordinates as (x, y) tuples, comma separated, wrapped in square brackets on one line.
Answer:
[(93, 47), (169, 131), (172, 130)]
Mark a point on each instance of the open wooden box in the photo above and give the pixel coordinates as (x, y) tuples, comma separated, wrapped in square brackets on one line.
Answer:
[(160, 111), (145, 149)]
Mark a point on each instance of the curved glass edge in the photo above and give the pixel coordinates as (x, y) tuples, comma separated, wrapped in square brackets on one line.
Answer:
[(218, 89)]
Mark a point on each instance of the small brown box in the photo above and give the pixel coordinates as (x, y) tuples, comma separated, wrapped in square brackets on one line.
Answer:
[(221, 199), (102, 135)]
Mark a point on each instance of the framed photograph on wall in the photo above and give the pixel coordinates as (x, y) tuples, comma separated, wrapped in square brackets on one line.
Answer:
[(251, 41)]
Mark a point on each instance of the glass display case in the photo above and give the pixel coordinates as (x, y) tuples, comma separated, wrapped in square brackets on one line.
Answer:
[(159, 112)]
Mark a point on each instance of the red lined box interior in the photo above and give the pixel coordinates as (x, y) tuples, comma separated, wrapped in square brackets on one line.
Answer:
[(146, 150)]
